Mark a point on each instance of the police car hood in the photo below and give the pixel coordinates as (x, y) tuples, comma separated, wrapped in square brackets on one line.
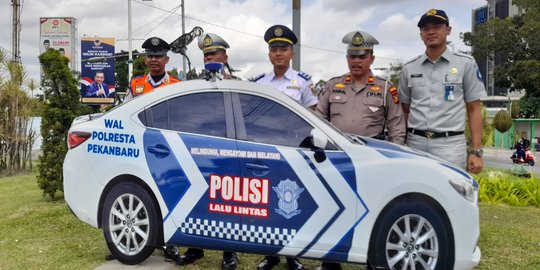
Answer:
[(392, 150)]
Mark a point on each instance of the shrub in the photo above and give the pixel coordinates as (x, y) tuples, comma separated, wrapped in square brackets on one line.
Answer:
[(499, 188)]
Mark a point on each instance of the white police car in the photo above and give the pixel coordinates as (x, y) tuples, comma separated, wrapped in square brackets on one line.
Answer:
[(239, 166)]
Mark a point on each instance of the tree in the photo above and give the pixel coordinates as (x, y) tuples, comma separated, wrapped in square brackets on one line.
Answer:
[(487, 129), (61, 106), (515, 45), (17, 110), (395, 69)]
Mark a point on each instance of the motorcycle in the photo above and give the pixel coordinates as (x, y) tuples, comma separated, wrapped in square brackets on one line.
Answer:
[(529, 157)]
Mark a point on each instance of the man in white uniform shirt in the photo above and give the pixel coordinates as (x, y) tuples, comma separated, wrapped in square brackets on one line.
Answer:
[(295, 84)]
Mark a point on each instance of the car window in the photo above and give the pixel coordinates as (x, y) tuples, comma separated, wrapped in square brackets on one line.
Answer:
[(269, 122), (201, 113)]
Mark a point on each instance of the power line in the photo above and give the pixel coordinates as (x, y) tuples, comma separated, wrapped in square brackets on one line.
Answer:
[(172, 12), (148, 24), (247, 33)]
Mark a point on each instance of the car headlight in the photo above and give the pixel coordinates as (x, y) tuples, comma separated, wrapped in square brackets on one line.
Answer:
[(464, 188)]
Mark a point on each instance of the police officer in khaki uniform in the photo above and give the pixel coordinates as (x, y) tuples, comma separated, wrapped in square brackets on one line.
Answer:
[(358, 102), (214, 50), (438, 89)]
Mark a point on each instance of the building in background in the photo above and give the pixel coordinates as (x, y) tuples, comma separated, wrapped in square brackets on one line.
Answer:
[(60, 33), (494, 9)]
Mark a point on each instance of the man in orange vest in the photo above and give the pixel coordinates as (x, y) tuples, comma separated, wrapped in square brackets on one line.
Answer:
[(156, 58)]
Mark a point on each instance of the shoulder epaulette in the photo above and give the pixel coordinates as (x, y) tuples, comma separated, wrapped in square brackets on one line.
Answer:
[(257, 78), (304, 76), (462, 55), (340, 77), (333, 78), (412, 60)]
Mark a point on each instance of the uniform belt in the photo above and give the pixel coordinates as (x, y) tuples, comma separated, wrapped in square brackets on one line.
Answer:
[(432, 134)]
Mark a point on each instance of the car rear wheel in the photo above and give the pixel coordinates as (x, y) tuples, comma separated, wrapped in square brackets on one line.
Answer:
[(130, 223), (412, 236)]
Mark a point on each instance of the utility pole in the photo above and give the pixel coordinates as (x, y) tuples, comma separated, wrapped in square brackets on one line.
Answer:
[(184, 77), (16, 35), (130, 58), (297, 32)]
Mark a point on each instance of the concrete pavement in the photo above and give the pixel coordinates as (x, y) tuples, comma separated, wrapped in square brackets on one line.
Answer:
[(154, 262)]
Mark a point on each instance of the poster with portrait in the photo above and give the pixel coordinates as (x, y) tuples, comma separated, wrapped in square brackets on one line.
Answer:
[(97, 70), (60, 33)]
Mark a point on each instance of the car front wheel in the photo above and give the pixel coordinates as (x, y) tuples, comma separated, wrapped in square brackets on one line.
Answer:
[(412, 235), (130, 223)]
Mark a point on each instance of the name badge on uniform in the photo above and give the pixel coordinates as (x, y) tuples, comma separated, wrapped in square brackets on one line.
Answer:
[(139, 89), (294, 85), (374, 94), (448, 92)]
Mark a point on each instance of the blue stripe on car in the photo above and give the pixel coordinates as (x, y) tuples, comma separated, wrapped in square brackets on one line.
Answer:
[(172, 183)]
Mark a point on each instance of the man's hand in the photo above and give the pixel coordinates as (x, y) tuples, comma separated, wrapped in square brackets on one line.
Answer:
[(475, 164)]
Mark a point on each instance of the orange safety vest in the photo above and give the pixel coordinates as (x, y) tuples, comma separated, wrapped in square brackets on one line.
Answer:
[(140, 85)]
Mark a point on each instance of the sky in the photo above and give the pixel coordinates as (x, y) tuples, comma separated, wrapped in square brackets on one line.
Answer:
[(242, 24)]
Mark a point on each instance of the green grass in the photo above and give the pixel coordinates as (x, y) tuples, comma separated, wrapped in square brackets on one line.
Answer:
[(509, 237), (38, 233)]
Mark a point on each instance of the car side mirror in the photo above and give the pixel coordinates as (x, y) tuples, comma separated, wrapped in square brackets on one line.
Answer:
[(316, 142), (319, 139)]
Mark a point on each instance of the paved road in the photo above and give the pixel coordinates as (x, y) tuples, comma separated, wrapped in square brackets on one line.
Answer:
[(500, 158)]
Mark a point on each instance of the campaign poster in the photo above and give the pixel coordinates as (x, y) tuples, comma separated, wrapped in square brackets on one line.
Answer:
[(97, 70), (60, 33)]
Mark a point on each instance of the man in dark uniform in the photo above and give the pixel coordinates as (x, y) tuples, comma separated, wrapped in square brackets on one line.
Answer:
[(358, 102), (295, 84), (156, 58), (214, 50)]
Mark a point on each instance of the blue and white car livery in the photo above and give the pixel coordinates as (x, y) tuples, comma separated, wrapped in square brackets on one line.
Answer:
[(234, 165)]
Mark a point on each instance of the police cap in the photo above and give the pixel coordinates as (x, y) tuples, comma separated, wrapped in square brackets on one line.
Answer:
[(433, 16), (209, 43), (156, 46), (359, 43), (280, 36)]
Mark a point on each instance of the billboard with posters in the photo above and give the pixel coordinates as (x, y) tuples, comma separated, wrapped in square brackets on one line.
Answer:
[(60, 33), (97, 70)]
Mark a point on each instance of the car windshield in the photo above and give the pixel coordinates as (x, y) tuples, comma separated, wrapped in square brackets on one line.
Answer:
[(355, 138)]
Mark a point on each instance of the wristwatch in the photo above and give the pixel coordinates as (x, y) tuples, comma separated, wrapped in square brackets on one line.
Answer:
[(476, 152)]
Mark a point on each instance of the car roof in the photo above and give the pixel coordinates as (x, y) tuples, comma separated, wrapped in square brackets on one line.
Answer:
[(194, 86)]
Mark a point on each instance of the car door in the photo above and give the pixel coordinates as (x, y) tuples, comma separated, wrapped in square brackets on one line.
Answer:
[(309, 207), (188, 146)]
